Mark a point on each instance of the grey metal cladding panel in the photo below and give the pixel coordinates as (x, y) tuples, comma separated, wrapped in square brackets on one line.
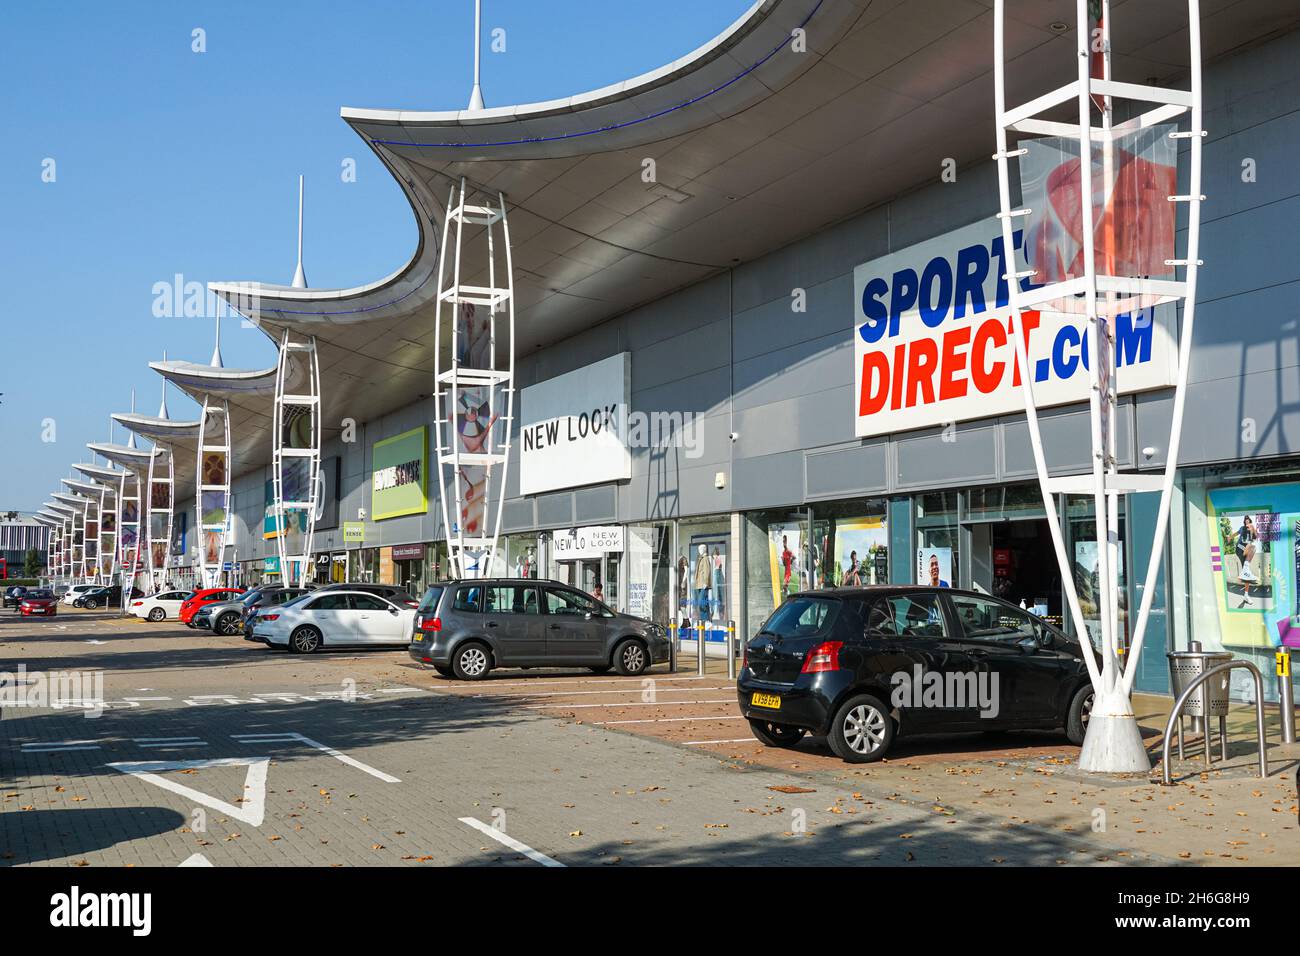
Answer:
[(1067, 441), (1243, 91), (812, 261), (767, 482), (1215, 426), (707, 443), (573, 353), (703, 349), (944, 207), (677, 314), (925, 460), (1272, 145), (774, 325), (1153, 411), (555, 509), (1252, 333), (687, 491), (703, 393), (852, 471), (807, 421), (595, 504), (1256, 249), (517, 514), (805, 368)]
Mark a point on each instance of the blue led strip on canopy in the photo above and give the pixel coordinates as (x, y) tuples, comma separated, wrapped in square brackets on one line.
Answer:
[(615, 126)]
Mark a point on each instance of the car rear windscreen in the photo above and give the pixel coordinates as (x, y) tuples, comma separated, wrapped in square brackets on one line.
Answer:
[(801, 617), (429, 603)]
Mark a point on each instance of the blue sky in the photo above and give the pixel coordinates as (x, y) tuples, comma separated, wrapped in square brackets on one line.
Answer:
[(169, 161)]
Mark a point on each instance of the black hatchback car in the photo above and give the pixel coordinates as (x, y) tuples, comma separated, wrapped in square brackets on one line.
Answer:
[(466, 628), (860, 666)]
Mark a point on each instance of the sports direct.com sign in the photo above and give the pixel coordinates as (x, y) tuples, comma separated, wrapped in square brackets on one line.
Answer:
[(932, 338)]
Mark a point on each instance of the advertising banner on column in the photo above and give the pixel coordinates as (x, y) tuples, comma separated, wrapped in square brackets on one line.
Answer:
[(573, 429), (932, 346), (398, 479)]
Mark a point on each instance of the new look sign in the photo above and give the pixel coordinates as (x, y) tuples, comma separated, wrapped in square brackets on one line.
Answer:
[(573, 428), (932, 340)]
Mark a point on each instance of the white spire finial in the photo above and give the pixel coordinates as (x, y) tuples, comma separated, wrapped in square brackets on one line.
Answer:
[(299, 277), (162, 408), (216, 349), (130, 441), (476, 95)]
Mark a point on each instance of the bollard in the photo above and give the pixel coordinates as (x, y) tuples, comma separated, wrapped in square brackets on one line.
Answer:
[(673, 639), (731, 650), (699, 645), (1286, 694)]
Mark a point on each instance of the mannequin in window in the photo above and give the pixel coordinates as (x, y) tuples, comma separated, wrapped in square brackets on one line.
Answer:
[(703, 573)]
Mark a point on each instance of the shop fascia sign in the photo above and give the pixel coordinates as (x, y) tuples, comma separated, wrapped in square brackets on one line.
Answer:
[(573, 428), (932, 347), (574, 544)]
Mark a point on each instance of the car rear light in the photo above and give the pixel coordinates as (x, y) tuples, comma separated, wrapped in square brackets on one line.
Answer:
[(824, 657), (268, 617), (415, 604), (137, 603), (744, 655), (423, 623)]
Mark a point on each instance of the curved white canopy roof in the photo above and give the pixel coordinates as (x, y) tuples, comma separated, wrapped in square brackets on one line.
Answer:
[(100, 474), (135, 459)]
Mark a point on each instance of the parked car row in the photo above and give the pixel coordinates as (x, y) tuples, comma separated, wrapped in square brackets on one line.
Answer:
[(89, 596)]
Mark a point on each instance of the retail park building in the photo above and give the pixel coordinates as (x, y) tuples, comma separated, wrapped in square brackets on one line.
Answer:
[(700, 257)]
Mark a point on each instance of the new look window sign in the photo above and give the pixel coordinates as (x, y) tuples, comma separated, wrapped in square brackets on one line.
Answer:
[(573, 428), (932, 340)]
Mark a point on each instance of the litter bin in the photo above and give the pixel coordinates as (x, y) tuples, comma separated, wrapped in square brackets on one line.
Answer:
[(1210, 699)]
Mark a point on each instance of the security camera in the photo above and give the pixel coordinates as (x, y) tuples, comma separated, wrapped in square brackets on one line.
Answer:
[(734, 436), (1148, 452)]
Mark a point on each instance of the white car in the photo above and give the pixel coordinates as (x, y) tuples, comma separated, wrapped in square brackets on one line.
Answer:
[(76, 591), (335, 619), (159, 607)]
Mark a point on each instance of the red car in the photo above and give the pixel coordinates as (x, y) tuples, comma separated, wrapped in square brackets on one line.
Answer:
[(202, 597), (39, 601)]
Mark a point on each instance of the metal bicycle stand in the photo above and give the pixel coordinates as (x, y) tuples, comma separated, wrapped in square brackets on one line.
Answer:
[(1175, 719)]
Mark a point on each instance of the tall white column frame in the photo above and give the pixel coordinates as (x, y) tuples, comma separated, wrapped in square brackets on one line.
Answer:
[(217, 445), (296, 454), (1113, 743), (107, 559), (128, 556), (161, 476), (483, 382)]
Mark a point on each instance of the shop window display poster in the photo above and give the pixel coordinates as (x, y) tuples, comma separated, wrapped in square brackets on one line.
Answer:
[(861, 551), (787, 566), (1253, 535), (934, 567)]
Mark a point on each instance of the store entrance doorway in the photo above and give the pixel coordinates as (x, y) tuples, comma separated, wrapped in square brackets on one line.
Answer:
[(1015, 560)]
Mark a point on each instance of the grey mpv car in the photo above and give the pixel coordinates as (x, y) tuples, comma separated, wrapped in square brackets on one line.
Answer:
[(466, 628)]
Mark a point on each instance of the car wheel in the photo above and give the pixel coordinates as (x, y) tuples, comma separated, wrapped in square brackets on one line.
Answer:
[(157, 614), (862, 731), (305, 640), (91, 605), (776, 735), (472, 661), (1076, 721), (228, 624), (444, 670), (630, 658)]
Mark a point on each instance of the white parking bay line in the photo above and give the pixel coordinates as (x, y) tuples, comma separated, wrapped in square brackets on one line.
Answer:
[(661, 720), (639, 703), (552, 681), (252, 739), (593, 693), (502, 838), (54, 746), (734, 740)]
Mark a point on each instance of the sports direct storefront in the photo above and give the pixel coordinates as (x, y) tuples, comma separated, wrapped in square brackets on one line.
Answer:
[(933, 342)]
